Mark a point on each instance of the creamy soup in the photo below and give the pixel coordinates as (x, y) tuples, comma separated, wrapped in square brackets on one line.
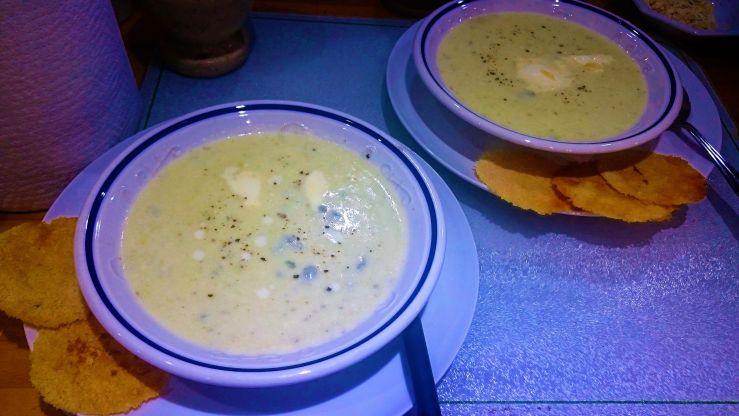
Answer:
[(265, 244), (542, 76)]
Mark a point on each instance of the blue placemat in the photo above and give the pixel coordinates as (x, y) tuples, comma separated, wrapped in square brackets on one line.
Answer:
[(575, 315)]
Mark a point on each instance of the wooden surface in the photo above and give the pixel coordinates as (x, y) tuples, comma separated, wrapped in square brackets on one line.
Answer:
[(17, 396)]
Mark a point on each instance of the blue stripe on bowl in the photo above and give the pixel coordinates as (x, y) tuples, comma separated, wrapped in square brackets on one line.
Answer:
[(105, 187), (638, 33)]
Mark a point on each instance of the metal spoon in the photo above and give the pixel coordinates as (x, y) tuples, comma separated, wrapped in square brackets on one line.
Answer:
[(723, 166)]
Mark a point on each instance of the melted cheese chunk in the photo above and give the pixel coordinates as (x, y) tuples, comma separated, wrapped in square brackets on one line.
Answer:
[(243, 183), (544, 77), (314, 187), (590, 63)]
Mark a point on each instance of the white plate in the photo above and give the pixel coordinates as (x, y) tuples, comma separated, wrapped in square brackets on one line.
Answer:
[(457, 144), (375, 386)]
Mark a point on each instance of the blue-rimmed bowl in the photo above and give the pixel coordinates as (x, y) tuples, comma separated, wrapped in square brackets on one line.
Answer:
[(664, 91), (103, 281)]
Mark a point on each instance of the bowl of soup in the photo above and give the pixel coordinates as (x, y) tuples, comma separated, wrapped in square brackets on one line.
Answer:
[(259, 243), (560, 76)]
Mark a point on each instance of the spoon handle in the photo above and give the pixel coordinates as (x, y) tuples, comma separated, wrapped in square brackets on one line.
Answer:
[(426, 401), (729, 173)]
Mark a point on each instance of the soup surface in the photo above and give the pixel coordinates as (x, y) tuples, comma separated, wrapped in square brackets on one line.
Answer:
[(542, 76), (265, 244)]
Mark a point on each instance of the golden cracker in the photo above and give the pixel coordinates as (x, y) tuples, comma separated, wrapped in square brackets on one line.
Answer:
[(652, 177), (80, 368), (38, 282), (587, 190), (522, 178)]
